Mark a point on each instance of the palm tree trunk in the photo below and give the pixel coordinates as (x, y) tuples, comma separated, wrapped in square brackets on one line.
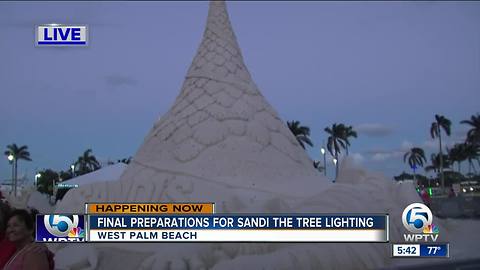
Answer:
[(442, 177)]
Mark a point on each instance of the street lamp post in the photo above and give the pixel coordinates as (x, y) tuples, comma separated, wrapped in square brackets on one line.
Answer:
[(322, 150), (38, 175), (336, 170), (11, 160)]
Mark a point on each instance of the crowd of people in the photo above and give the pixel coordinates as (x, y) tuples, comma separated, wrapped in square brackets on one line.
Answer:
[(18, 251)]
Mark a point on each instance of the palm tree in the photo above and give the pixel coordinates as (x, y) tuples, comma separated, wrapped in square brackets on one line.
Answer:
[(457, 154), (473, 135), (18, 153), (472, 152), (349, 132), (86, 163), (441, 122), (435, 163), (416, 156), (302, 133), (335, 142)]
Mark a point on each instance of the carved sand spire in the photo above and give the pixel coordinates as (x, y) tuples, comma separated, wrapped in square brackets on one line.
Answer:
[(221, 141), (220, 125)]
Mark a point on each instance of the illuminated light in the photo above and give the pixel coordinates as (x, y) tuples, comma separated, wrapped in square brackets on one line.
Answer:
[(335, 161), (322, 150), (430, 191), (471, 188), (464, 190), (38, 175), (10, 157)]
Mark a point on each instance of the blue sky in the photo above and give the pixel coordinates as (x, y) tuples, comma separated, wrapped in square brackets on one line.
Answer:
[(384, 67)]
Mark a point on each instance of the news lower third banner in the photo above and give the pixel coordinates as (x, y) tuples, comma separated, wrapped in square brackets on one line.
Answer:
[(198, 222), (238, 228)]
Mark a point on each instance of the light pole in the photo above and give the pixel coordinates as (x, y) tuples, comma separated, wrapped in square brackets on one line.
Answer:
[(336, 171), (10, 158), (38, 175), (322, 150)]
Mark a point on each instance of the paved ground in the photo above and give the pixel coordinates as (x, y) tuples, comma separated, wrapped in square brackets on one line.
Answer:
[(457, 207)]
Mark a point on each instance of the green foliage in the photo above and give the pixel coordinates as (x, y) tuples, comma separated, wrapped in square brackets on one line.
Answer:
[(65, 175), (403, 176), (46, 181), (336, 139), (86, 163), (458, 154), (441, 123), (415, 157), (301, 133), (18, 152), (452, 177), (347, 133), (422, 179), (473, 135), (435, 163)]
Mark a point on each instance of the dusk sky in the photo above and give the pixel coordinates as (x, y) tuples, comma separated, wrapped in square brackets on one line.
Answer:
[(384, 67)]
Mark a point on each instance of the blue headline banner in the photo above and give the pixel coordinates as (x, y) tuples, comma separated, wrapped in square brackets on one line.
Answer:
[(307, 221)]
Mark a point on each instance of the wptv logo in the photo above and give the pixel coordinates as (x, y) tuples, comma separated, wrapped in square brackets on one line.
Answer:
[(60, 228), (417, 219)]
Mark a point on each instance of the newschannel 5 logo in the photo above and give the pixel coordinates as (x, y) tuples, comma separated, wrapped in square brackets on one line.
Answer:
[(60, 228), (417, 219), (61, 35)]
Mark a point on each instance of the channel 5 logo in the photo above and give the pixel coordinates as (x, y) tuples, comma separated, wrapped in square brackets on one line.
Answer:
[(57, 228), (417, 219)]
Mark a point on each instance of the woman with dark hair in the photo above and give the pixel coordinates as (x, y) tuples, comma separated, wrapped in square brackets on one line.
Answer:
[(20, 228), (7, 248)]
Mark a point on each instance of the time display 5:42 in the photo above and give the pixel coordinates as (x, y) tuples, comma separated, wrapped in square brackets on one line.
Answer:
[(406, 250)]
